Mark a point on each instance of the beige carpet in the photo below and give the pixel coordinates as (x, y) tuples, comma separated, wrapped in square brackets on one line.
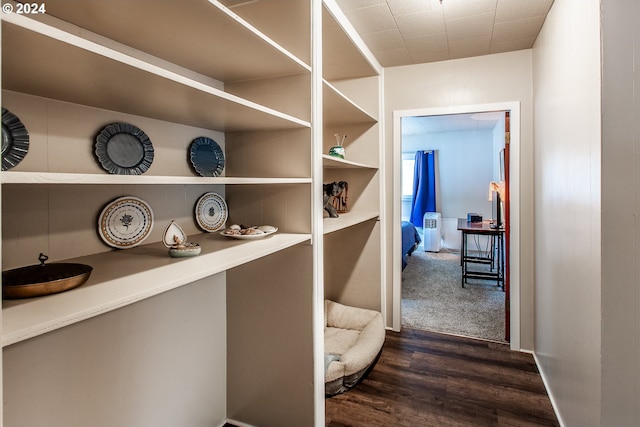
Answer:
[(434, 300)]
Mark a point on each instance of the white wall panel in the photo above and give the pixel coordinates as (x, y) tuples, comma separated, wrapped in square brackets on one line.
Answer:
[(566, 64), (620, 219), (464, 168), (160, 362)]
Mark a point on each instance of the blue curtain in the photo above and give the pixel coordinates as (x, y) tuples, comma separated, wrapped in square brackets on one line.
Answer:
[(424, 187)]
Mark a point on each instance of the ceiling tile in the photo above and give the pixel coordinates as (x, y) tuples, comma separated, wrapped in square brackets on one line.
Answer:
[(509, 10), (420, 23), (518, 29), (357, 4), (512, 45), (423, 58), (394, 57), (470, 27), (384, 40), (402, 32), (432, 43), (470, 47), (372, 19), (401, 7), (455, 9)]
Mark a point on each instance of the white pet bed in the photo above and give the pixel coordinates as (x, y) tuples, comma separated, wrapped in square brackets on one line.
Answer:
[(353, 338)]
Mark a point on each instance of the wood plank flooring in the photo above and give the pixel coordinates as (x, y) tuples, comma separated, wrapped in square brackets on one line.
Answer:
[(428, 379)]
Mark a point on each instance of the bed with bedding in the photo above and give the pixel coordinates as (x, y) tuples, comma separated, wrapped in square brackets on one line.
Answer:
[(410, 241)]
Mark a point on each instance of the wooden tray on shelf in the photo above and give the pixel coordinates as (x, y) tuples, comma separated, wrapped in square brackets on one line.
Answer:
[(43, 279)]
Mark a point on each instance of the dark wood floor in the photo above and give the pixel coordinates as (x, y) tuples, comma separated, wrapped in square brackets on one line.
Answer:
[(428, 379)]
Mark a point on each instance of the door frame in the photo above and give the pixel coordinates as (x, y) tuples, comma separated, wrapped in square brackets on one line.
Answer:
[(514, 205)]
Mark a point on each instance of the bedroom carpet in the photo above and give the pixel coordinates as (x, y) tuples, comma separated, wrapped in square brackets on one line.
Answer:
[(434, 300)]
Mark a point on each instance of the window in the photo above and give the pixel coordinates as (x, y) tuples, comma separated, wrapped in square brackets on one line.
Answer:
[(408, 163)]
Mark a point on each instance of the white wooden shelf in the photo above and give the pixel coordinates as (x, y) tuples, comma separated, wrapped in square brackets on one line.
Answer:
[(345, 220), (331, 162), (123, 277), (116, 77), (11, 177), (200, 35), (338, 109), (345, 55)]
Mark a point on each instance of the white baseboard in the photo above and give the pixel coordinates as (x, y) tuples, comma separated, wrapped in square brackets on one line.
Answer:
[(546, 387)]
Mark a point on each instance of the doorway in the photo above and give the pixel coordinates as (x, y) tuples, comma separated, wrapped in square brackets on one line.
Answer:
[(513, 108)]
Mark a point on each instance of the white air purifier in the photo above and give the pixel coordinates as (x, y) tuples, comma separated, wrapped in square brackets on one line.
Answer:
[(431, 233)]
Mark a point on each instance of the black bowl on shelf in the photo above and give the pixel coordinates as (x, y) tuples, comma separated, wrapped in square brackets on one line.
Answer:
[(43, 279)]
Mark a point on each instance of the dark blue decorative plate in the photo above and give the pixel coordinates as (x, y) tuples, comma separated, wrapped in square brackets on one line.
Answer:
[(15, 140), (206, 156), (123, 149)]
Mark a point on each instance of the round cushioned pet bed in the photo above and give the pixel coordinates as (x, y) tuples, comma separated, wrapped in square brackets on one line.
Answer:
[(353, 338)]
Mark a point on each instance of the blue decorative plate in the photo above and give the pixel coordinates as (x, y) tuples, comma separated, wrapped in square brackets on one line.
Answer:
[(206, 156), (125, 222), (15, 140), (211, 212), (123, 149)]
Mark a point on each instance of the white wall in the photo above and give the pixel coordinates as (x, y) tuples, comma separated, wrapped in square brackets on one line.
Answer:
[(159, 362), (487, 79), (566, 81), (620, 216), (465, 168)]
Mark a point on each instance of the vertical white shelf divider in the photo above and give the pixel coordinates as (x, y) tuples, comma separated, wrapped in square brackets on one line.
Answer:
[(317, 221), (342, 110)]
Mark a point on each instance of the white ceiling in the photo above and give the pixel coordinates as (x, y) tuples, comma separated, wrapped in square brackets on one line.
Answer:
[(404, 32), (450, 123)]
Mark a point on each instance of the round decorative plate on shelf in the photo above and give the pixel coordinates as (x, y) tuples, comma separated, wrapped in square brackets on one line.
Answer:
[(125, 222), (124, 149), (15, 140), (206, 157), (265, 231), (211, 212)]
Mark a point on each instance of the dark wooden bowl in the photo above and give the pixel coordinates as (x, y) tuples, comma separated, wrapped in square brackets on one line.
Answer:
[(43, 279)]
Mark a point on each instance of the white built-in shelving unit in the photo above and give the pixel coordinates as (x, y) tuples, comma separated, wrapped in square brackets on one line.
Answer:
[(352, 107), (235, 321)]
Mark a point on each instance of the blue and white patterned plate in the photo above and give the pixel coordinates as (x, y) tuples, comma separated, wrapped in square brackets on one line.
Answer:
[(125, 222), (211, 212)]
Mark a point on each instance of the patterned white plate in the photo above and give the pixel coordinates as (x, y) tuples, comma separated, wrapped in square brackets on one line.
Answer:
[(211, 212), (249, 236), (125, 222)]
